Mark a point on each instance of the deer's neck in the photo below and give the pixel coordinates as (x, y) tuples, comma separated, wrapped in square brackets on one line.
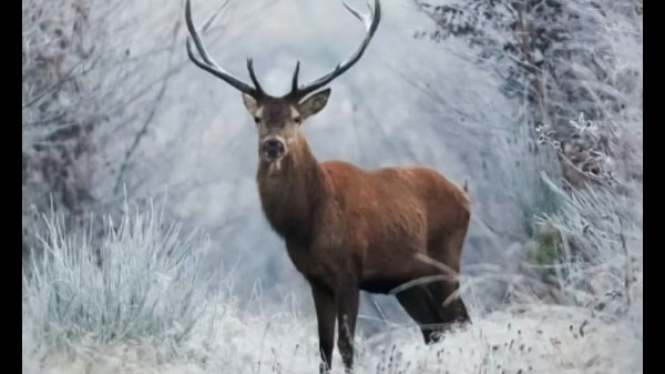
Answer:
[(292, 192)]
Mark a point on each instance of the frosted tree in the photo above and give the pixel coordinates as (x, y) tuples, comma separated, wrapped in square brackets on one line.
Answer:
[(561, 58)]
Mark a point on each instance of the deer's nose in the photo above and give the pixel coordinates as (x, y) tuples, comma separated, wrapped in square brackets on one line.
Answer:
[(273, 148)]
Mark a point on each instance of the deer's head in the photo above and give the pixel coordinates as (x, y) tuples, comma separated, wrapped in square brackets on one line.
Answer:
[(278, 119)]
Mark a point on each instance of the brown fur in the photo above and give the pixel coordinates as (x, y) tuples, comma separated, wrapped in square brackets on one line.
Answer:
[(347, 230)]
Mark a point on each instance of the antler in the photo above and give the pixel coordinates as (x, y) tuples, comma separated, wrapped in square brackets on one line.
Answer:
[(209, 65), (371, 24), (206, 63)]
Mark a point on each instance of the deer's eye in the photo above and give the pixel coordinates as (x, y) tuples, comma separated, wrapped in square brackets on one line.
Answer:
[(257, 120), (297, 120)]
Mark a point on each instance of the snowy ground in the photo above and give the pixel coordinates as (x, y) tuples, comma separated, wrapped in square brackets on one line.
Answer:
[(539, 340)]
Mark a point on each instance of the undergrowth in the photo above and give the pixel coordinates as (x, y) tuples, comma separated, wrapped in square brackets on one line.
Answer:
[(140, 281)]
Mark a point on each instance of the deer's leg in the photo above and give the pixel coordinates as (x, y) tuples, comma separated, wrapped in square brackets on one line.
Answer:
[(448, 302), (347, 314), (324, 302), (418, 305), (445, 293)]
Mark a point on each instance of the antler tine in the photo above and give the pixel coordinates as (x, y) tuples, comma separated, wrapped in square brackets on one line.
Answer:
[(371, 23), (252, 75), (294, 82), (208, 64)]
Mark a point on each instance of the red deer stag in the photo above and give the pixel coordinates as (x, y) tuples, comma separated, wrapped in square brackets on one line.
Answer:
[(348, 229)]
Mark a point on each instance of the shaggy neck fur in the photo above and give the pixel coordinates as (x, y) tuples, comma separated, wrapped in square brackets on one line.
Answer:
[(292, 191)]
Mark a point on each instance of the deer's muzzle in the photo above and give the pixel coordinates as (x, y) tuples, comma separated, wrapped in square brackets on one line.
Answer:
[(272, 149)]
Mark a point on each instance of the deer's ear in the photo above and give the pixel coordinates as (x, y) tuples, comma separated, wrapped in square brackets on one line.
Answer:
[(250, 103), (313, 104)]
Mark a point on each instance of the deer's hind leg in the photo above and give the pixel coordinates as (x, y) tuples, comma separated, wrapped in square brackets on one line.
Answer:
[(448, 302), (418, 303)]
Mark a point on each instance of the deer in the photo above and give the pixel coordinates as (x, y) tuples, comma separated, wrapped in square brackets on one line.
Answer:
[(347, 229)]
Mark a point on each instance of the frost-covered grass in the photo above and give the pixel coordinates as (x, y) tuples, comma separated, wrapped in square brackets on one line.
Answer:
[(146, 311), (539, 340), (141, 281)]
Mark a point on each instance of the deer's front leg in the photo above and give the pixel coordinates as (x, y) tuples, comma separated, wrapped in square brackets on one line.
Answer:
[(324, 302), (347, 312)]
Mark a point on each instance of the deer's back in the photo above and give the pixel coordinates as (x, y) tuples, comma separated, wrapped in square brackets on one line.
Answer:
[(387, 215), (405, 191)]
